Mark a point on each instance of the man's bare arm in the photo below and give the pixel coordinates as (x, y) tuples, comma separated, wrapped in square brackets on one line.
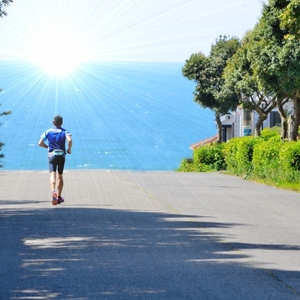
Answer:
[(42, 144), (70, 144)]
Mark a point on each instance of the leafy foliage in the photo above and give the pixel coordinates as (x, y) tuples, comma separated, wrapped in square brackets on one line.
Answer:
[(275, 53), (290, 156), (2, 4), (230, 151), (210, 157), (238, 155), (205, 159), (207, 73), (269, 133), (267, 159), (187, 165), (238, 74), (266, 156), (290, 20)]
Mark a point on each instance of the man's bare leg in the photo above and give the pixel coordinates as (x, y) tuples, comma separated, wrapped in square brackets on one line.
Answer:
[(52, 181), (60, 184), (52, 186)]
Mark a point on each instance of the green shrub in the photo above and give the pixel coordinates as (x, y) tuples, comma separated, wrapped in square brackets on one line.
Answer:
[(266, 161), (230, 151), (205, 159), (245, 154), (270, 133), (187, 165), (290, 156), (238, 155), (290, 161), (210, 158)]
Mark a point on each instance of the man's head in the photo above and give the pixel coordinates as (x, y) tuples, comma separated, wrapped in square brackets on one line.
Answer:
[(57, 121)]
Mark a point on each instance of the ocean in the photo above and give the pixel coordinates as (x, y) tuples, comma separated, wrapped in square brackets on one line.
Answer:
[(122, 115)]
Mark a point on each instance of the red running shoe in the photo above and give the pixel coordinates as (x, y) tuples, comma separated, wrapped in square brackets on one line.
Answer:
[(54, 198), (60, 200)]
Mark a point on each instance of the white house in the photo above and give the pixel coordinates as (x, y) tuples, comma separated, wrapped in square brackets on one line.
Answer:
[(242, 123)]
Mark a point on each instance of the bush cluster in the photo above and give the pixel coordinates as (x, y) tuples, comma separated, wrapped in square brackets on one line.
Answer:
[(266, 158), (205, 159)]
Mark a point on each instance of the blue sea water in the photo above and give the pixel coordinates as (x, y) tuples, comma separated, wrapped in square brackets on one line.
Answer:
[(125, 116)]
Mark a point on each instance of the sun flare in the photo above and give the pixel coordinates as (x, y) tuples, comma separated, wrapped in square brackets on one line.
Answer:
[(56, 52)]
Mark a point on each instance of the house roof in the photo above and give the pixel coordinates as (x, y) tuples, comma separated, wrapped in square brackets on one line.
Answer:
[(208, 141), (214, 139), (228, 122)]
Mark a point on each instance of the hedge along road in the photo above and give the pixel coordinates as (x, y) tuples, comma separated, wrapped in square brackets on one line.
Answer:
[(147, 235)]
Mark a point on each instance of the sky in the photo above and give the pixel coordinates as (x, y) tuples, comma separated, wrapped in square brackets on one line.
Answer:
[(120, 30)]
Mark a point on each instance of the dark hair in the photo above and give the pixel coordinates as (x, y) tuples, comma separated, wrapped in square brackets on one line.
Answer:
[(57, 120)]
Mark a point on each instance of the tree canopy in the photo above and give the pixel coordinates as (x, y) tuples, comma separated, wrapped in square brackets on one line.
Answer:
[(276, 54), (261, 72), (239, 77), (207, 72)]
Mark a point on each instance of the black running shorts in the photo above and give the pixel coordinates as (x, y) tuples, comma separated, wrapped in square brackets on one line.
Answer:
[(56, 163)]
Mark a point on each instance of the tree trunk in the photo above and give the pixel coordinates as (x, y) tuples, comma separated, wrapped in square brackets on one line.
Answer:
[(284, 120), (219, 125), (296, 118), (263, 108), (259, 124), (284, 129)]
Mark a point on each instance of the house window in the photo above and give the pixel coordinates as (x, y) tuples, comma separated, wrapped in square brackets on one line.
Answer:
[(247, 122), (275, 119), (247, 117)]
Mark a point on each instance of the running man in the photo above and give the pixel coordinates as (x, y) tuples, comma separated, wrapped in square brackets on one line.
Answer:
[(56, 137)]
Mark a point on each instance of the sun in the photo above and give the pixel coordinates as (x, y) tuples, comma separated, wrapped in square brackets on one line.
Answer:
[(57, 52)]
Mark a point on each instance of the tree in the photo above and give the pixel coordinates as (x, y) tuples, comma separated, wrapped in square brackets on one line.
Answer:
[(239, 77), (276, 54), (2, 4), (207, 73), (290, 58)]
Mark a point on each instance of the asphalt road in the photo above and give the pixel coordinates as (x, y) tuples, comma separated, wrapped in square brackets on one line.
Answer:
[(147, 235)]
